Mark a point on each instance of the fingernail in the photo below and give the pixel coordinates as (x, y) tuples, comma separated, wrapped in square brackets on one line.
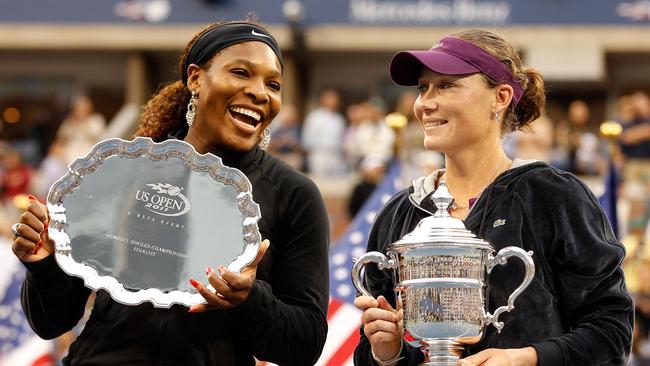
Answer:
[(31, 197), (192, 308), (35, 251), (194, 283), (208, 270), (221, 269)]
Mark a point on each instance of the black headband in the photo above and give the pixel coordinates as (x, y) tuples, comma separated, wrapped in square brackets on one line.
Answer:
[(218, 38)]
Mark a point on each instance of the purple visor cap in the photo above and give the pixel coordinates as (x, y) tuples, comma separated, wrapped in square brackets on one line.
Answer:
[(406, 66), (452, 56)]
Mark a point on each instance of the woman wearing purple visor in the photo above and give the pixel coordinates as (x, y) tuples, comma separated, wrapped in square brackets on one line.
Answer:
[(473, 90)]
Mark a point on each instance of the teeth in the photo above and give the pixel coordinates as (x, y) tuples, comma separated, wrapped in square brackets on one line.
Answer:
[(256, 116), (433, 123)]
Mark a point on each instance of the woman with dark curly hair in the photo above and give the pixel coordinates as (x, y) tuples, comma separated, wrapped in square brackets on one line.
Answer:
[(275, 309), (473, 89)]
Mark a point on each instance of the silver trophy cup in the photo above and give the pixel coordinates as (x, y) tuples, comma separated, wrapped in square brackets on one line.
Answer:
[(440, 269)]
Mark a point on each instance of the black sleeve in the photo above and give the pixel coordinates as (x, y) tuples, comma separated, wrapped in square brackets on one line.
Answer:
[(384, 232), (592, 298), (53, 301), (286, 323)]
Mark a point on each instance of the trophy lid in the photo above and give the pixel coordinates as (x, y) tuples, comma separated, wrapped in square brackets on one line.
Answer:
[(441, 228)]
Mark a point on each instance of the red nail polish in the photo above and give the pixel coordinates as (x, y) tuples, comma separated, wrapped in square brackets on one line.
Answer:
[(31, 197), (194, 283), (208, 270), (221, 269), (192, 310)]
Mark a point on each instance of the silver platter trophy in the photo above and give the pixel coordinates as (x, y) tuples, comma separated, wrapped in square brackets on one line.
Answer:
[(139, 219), (441, 270)]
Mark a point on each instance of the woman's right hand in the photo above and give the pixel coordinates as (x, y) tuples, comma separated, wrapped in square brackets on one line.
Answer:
[(382, 325), (33, 243)]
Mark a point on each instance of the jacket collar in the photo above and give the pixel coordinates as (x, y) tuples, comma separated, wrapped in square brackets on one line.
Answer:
[(423, 187)]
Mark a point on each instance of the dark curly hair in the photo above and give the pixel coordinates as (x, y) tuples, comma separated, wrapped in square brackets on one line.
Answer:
[(165, 111), (533, 101)]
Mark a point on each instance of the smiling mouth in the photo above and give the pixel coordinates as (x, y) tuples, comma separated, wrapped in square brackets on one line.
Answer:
[(245, 115)]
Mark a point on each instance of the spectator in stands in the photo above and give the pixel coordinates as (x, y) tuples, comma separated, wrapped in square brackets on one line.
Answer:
[(52, 168), (356, 115), (16, 177), (537, 142), (373, 136), (585, 148), (322, 137), (371, 170), (285, 137), (81, 129), (635, 146)]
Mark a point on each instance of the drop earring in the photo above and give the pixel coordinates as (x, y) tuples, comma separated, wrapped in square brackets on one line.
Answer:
[(496, 116), (266, 139), (191, 109)]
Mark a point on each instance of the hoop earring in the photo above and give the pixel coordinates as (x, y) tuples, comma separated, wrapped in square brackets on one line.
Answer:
[(266, 139), (191, 109)]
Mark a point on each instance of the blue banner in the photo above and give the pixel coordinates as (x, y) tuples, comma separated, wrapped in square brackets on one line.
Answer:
[(344, 12)]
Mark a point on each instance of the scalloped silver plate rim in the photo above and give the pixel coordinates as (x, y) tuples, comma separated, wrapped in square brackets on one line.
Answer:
[(118, 292)]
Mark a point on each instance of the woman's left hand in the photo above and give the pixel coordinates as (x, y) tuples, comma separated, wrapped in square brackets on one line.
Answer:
[(502, 357), (231, 288)]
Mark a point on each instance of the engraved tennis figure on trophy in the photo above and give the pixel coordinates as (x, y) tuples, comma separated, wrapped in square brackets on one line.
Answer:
[(169, 201), (441, 268)]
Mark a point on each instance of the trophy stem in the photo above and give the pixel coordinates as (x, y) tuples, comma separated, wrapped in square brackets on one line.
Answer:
[(442, 352)]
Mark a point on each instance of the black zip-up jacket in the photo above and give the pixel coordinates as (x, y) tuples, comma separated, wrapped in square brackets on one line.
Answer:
[(283, 320), (576, 311)]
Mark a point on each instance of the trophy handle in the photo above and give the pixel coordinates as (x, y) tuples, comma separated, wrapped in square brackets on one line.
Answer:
[(383, 262), (502, 258)]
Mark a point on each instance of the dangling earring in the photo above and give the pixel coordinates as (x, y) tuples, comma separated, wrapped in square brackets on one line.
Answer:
[(266, 139), (496, 116), (191, 109)]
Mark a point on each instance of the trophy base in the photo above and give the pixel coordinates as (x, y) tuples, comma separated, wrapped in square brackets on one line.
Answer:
[(442, 352)]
